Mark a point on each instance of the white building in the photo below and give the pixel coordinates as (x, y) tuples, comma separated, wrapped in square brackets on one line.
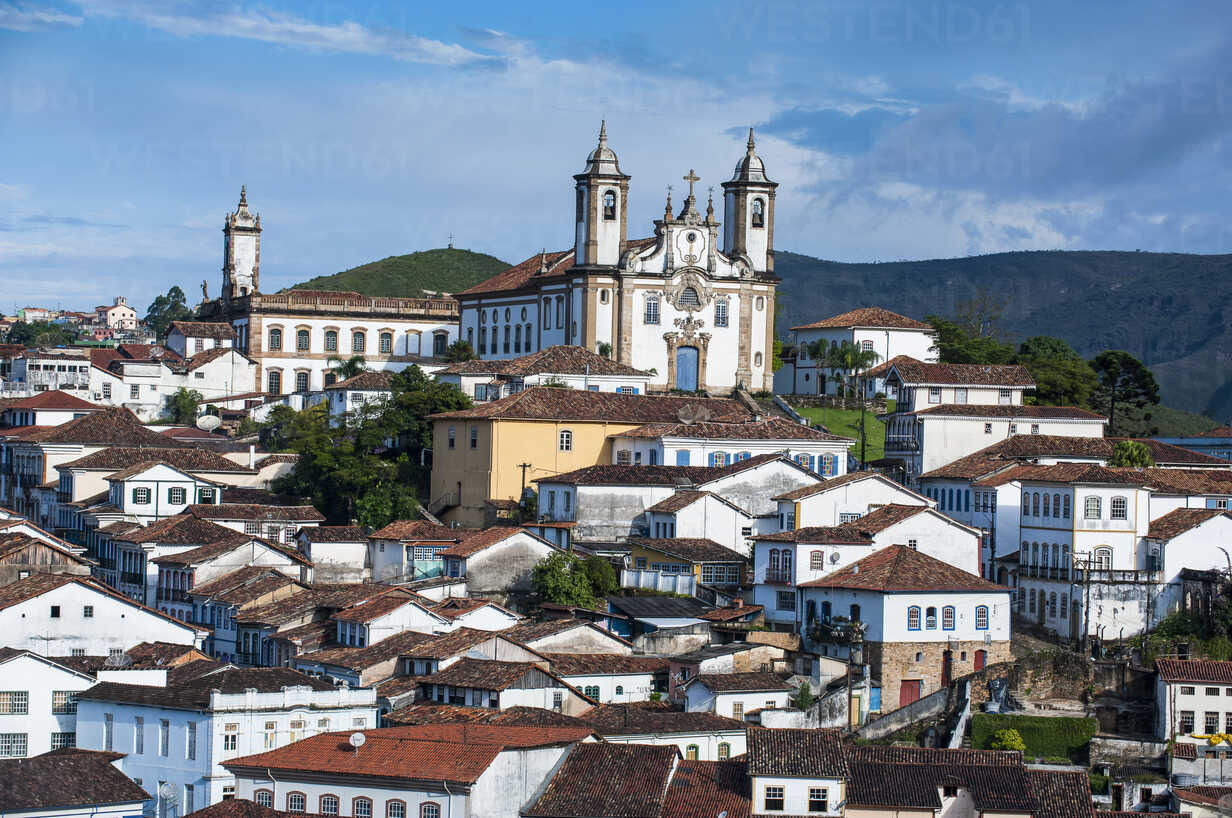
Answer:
[(187, 338), (797, 772), (178, 726), (117, 315), (429, 771), (495, 561), (179, 574), (38, 708), (501, 685), (612, 677), (1189, 704), (697, 735), (674, 304), (46, 409), (735, 694), (701, 515), (842, 500), (925, 621), (572, 366), (367, 390), (46, 370), (338, 553), (872, 329), (63, 615)]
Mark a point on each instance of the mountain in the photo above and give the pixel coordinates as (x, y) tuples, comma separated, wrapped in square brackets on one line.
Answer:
[(1171, 310), (444, 271)]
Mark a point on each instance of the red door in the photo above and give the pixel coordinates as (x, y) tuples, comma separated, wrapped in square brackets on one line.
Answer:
[(980, 658), (947, 666), (909, 691)]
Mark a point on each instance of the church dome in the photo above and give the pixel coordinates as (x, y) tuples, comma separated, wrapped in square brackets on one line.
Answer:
[(750, 168), (602, 160)]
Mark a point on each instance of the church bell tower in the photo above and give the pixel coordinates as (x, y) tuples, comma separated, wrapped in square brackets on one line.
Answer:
[(748, 212), (602, 197), (241, 251)]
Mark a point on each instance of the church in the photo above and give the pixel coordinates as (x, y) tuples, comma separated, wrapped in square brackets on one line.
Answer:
[(699, 316)]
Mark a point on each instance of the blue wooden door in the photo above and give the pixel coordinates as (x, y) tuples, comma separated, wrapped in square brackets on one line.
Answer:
[(686, 369)]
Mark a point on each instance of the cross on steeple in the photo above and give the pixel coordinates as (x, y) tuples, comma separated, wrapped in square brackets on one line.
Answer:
[(691, 178)]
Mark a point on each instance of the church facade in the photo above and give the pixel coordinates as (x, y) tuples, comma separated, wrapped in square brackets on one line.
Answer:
[(693, 304), (297, 337)]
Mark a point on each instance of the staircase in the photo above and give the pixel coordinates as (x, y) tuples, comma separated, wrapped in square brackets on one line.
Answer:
[(447, 500)]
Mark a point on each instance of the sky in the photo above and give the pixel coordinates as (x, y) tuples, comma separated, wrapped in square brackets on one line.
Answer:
[(897, 130)]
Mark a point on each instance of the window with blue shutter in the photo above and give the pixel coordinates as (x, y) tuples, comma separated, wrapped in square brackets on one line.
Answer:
[(682, 458)]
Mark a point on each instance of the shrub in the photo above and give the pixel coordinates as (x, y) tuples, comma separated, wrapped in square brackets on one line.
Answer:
[(1008, 739), (1043, 736)]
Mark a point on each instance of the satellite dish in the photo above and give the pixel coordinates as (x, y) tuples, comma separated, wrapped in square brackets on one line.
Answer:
[(208, 423), (357, 740), (156, 352), (167, 791), (833, 556)]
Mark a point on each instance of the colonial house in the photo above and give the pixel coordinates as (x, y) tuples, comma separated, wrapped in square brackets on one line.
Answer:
[(25, 550), (500, 684), (178, 574), (572, 366), (76, 783), (445, 650), (842, 500), (611, 677), (495, 561), (791, 558), (705, 562), (700, 514), (63, 615), (872, 329), (359, 666), (45, 409), (700, 735), (1191, 711), (376, 618), (258, 627), (116, 315), (429, 771), (339, 553), (345, 399), (797, 772), (187, 338), (573, 635), (278, 524), (178, 726), (477, 613), (948, 411), (925, 621), (40, 712), (128, 558), (674, 304), (215, 603), (293, 335), (735, 694)]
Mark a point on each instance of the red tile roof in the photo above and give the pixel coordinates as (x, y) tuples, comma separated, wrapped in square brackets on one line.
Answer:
[(735, 682), (471, 542), (914, 372), (180, 530), (1194, 670), (115, 458), (796, 753), (110, 427), (548, 403), (504, 735), (377, 606), (774, 428), (1180, 520), (595, 780), (553, 360), (366, 381), (488, 674), (709, 788), (604, 664), (255, 511), (417, 530), (69, 781), (539, 267), (899, 568), (640, 718), (204, 329), (1025, 412), (55, 399), (333, 534), (1204, 794), (871, 317), (431, 713), (1220, 431), (691, 549)]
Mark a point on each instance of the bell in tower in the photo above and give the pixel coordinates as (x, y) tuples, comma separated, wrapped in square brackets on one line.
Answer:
[(241, 251), (602, 196), (748, 212)]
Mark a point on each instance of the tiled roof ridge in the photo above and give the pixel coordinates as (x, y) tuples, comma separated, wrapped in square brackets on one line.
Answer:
[(871, 317)]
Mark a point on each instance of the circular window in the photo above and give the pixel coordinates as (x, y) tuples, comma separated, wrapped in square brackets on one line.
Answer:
[(691, 237)]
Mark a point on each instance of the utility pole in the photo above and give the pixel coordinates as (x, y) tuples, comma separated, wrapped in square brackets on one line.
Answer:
[(523, 467)]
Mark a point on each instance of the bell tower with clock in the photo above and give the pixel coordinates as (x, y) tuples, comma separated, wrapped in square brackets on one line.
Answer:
[(602, 199), (748, 212)]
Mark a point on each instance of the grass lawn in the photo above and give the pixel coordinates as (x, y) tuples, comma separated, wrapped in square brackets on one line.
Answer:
[(846, 422), (1046, 737)]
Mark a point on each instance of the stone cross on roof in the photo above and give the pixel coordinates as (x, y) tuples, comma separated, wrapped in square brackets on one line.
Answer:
[(691, 178)]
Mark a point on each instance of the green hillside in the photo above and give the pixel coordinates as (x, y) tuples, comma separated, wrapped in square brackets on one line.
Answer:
[(1171, 310), (443, 271)]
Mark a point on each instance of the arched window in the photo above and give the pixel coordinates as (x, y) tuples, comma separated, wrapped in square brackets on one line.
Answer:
[(620, 690), (386, 343), (1065, 606), (507, 315), (1035, 504), (1052, 604), (560, 312), (759, 213), (1026, 503), (1066, 562), (757, 359), (724, 751), (517, 338), (264, 798), (361, 807), (429, 809), (1031, 599), (774, 559), (1056, 555), (301, 381), (787, 557), (1066, 506), (297, 802), (1035, 553), (688, 298), (547, 313), (1103, 559), (395, 809), (930, 618), (529, 348), (1091, 508), (1044, 556), (301, 340), (913, 618), (357, 341), (981, 617), (1056, 505), (947, 618), (817, 561), (603, 296), (331, 340), (494, 341), (507, 339), (1118, 509), (1047, 505), (566, 440), (609, 206), (691, 752), (275, 339), (329, 805)]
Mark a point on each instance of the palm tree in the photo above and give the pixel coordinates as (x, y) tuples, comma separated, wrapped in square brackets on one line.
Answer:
[(348, 367), (849, 361)]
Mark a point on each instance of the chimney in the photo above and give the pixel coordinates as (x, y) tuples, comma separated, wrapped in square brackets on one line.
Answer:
[(737, 603)]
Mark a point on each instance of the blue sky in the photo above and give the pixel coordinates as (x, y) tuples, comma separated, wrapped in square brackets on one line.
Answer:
[(896, 129)]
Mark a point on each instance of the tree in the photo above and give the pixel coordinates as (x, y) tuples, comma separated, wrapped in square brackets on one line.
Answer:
[(980, 315), (347, 367), (1131, 454), (850, 360), (41, 334), (1008, 739), (604, 349), (776, 358), (460, 350), (804, 698), (602, 577), (1125, 384), (182, 406), (165, 309), (955, 345), (560, 578), (1062, 377), (415, 396)]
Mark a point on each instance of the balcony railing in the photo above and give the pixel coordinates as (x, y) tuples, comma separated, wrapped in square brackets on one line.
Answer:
[(172, 595), (1116, 575), (131, 578), (780, 576)]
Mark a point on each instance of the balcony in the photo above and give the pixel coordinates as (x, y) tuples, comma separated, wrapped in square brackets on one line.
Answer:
[(131, 578), (778, 576), (901, 443), (1113, 575), (172, 595)]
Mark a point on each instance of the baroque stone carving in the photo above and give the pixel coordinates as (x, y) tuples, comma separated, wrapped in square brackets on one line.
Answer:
[(689, 279)]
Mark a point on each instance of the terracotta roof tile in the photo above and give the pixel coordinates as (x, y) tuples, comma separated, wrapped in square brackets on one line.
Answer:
[(110, 427), (73, 781), (914, 372), (430, 713), (366, 382), (595, 780), (547, 403), (1061, 793), (192, 684), (1024, 412), (1180, 520), (180, 530), (826, 485), (1204, 794), (489, 674), (54, 399), (254, 511), (453, 607), (375, 607), (243, 585), (447, 645), (774, 428), (418, 530), (218, 548), (617, 475), (355, 658), (528, 632), (538, 267), (691, 549), (204, 329), (705, 788), (796, 753), (733, 682), (1194, 670), (116, 458), (899, 568), (237, 808), (333, 534), (871, 317), (604, 664), (638, 718), (553, 360), (471, 541)]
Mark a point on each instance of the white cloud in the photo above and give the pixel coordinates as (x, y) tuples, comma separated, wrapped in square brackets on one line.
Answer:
[(348, 36), (35, 18)]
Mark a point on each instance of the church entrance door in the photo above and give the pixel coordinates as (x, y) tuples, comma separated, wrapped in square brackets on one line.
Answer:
[(686, 369)]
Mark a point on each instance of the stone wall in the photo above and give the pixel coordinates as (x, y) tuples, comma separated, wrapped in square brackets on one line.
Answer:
[(895, 662)]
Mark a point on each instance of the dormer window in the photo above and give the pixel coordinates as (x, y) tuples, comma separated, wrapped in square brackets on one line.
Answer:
[(609, 206), (759, 213)]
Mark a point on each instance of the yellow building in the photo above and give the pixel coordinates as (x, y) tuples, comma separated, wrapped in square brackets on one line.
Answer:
[(493, 450), (708, 562)]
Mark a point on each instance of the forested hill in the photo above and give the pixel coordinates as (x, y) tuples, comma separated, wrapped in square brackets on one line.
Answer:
[(1171, 310), (445, 270)]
